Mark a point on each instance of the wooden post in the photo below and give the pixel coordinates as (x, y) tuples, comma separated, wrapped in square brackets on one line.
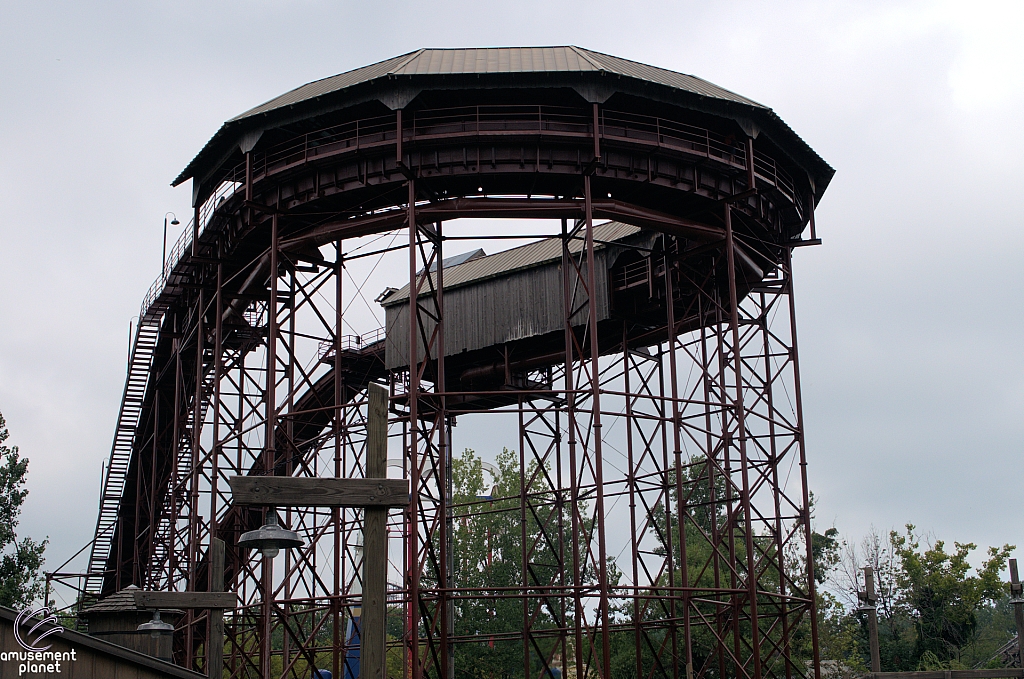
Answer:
[(869, 600), (1017, 598), (215, 653), (375, 544)]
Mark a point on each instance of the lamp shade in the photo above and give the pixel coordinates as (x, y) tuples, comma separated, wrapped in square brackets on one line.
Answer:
[(270, 538)]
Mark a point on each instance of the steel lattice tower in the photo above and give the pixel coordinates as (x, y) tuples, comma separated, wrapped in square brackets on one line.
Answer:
[(663, 505)]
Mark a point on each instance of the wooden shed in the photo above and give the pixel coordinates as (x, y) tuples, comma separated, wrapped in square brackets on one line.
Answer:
[(116, 618), (511, 297), (73, 655)]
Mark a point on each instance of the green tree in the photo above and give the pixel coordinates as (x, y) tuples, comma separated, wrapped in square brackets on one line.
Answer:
[(942, 595), (20, 560), (933, 612), (489, 527)]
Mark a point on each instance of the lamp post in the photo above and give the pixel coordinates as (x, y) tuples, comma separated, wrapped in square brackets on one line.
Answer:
[(163, 260), (374, 493), (161, 631)]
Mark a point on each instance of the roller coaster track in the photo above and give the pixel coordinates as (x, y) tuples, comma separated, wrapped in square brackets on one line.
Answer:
[(479, 121)]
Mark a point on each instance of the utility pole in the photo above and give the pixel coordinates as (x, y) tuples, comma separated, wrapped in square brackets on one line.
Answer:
[(373, 618), (868, 603), (1017, 599), (374, 493)]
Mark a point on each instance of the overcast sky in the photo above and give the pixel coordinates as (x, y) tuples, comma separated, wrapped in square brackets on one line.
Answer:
[(909, 314)]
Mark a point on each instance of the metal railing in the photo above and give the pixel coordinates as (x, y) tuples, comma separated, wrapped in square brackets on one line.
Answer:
[(352, 342), (184, 242), (528, 119), (477, 120)]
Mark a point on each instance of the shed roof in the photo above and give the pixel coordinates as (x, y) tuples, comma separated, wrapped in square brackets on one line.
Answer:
[(515, 259), (122, 600)]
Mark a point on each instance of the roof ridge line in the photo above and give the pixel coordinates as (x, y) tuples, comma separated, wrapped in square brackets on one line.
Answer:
[(405, 62), (586, 57)]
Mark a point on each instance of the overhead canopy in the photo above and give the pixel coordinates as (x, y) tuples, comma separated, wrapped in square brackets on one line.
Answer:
[(595, 76)]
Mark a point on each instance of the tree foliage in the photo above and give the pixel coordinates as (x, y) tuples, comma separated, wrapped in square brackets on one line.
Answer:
[(941, 595), (20, 560), (489, 530), (934, 611)]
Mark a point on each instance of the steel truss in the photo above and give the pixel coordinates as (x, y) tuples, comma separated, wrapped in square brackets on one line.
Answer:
[(663, 501)]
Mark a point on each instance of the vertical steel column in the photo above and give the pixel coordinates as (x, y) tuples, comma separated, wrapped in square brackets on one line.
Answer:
[(150, 575), (336, 633), (805, 490), (269, 442), (524, 552), (413, 570), (175, 452), (215, 641), (677, 463), (192, 491), (287, 424), (445, 489), (574, 491), (597, 460), (741, 433), (634, 532)]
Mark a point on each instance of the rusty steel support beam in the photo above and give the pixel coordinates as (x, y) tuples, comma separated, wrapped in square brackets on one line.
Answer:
[(598, 459), (679, 413), (805, 498), (270, 446), (413, 521)]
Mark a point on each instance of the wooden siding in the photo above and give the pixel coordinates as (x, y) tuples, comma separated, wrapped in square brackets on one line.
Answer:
[(495, 306), (94, 658)]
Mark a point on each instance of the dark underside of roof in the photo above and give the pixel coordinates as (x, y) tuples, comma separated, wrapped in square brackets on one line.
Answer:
[(396, 82)]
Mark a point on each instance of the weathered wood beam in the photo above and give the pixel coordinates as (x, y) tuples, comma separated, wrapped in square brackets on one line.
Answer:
[(164, 600), (215, 658), (287, 491), (375, 544)]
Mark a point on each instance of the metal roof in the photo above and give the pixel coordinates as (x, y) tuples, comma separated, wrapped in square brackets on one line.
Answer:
[(491, 60), (394, 80), (456, 260), (516, 259)]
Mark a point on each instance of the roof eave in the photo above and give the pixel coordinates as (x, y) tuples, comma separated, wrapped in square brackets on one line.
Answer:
[(220, 144)]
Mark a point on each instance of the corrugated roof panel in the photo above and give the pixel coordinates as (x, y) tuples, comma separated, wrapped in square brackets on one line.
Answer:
[(499, 60), (327, 85), (522, 257), (662, 76)]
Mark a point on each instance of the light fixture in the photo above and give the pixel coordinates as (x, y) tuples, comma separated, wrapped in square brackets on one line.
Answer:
[(270, 538), (163, 260), (156, 626)]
